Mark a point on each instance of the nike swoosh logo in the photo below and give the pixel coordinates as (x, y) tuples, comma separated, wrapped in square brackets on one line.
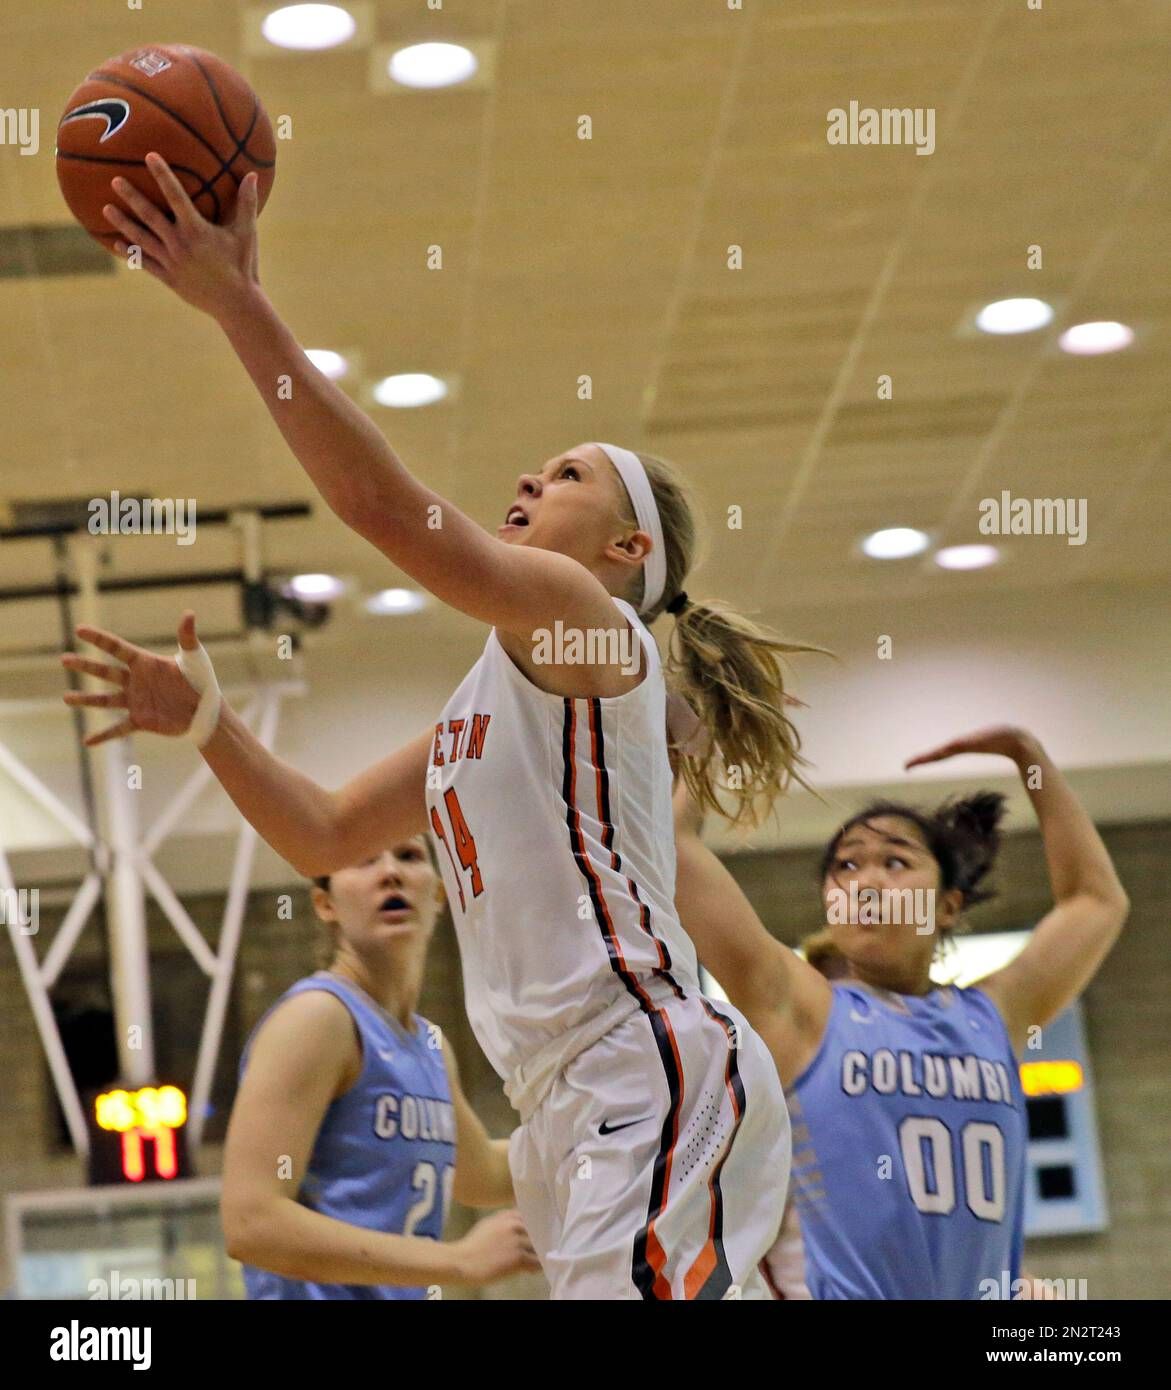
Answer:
[(607, 1128), (113, 110)]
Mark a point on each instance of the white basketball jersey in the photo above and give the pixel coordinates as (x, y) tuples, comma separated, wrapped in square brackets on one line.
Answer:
[(552, 821)]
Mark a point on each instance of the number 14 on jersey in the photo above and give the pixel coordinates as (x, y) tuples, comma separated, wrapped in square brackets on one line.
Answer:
[(465, 845)]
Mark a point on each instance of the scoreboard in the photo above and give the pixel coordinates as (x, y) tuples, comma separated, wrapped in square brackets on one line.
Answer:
[(1064, 1189), (138, 1136)]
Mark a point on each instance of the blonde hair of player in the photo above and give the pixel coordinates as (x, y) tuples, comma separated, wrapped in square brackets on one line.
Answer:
[(727, 668)]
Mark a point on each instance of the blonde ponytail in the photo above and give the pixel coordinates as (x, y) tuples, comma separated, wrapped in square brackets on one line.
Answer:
[(728, 670)]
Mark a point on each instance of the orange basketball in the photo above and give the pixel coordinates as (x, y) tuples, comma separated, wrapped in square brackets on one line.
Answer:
[(184, 103)]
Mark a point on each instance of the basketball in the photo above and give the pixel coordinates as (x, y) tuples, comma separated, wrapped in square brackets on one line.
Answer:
[(185, 103)]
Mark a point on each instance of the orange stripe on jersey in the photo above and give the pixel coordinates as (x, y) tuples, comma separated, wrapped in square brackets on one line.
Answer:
[(656, 1261), (649, 1259), (584, 864), (602, 785), (701, 1271), (647, 1243), (711, 1259)]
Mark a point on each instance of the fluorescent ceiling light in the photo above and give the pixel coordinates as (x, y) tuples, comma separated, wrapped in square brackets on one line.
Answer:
[(966, 557), (1014, 316), (395, 601), (409, 389), (432, 65), (315, 588), (308, 27), (330, 364), (1089, 339), (895, 543)]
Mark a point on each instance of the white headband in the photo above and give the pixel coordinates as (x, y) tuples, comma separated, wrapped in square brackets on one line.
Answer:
[(646, 513)]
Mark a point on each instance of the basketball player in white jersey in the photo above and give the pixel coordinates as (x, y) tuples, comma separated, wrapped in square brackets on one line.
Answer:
[(784, 1265), (653, 1151)]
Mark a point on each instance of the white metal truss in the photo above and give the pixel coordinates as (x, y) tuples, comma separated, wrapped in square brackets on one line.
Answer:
[(122, 861), (133, 860), (38, 977)]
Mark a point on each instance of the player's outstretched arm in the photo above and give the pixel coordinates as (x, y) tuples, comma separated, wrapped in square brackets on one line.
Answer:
[(784, 998), (299, 1062), (482, 1176), (1090, 906), (516, 588), (316, 830)]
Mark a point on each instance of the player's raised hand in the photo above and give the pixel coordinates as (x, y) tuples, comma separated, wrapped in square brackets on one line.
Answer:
[(209, 266), (1003, 739), (156, 695), (496, 1246)]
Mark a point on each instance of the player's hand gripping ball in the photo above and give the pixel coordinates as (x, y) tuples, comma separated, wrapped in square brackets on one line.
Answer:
[(184, 103)]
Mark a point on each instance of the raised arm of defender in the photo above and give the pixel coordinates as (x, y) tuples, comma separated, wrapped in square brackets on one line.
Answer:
[(783, 997), (1090, 905)]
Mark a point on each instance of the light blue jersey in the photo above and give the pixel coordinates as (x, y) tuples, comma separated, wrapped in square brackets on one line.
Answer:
[(385, 1154), (909, 1140)]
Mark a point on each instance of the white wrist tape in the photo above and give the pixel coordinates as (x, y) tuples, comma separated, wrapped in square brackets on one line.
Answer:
[(200, 673)]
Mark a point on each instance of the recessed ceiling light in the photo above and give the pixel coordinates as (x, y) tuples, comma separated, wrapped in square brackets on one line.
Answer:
[(315, 588), (409, 389), (895, 543), (966, 557), (330, 364), (395, 601), (308, 26), (1014, 316), (1089, 339), (432, 65)]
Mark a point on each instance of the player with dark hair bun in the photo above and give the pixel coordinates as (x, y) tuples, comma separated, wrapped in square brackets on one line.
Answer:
[(909, 1131), (963, 835)]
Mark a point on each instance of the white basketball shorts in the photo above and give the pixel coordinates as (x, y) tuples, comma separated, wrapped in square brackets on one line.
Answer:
[(657, 1164)]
